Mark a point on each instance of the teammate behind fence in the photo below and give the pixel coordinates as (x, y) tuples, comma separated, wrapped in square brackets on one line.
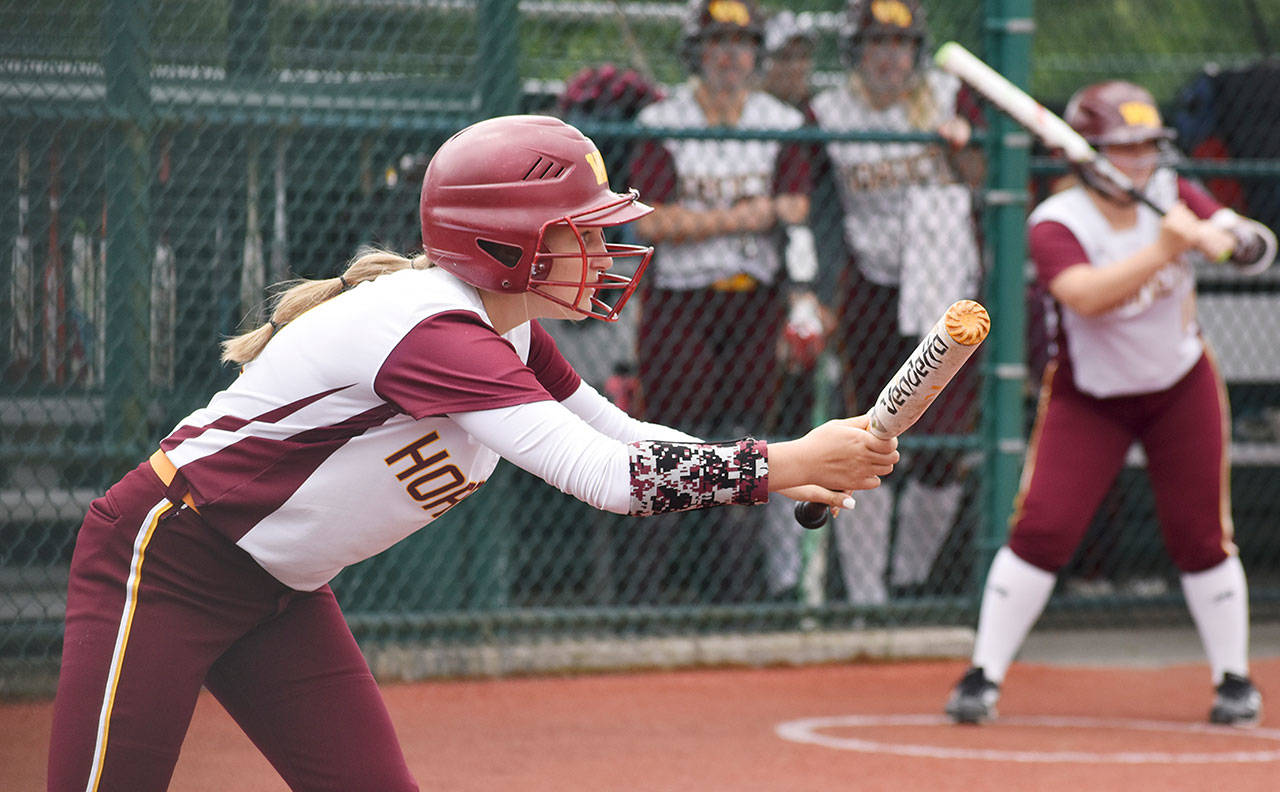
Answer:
[(912, 251), (371, 404), (731, 240), (1131, 366)]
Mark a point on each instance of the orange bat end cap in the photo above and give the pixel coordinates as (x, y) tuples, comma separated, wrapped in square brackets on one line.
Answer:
[(967, 322)]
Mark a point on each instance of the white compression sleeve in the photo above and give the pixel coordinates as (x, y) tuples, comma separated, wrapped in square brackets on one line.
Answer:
[(551, 442), (589, 405), (641, 477)]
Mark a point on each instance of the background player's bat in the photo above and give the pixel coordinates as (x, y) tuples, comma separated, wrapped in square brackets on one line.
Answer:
[(1053, 131), (936, 359)]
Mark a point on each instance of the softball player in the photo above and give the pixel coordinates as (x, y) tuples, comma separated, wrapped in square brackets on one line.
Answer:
[(716, 288), (1131, 365), (369, 405), (913, 251), (716, 302)]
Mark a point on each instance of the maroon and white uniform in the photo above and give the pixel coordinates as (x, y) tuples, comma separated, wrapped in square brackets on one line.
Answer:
[(416, 405), (1137, 372), (1152, 340), (714, 308), (907, 220), (716, 174), (912, 245), (362, 420)]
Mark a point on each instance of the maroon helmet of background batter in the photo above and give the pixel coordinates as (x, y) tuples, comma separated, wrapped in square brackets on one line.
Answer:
[(1116, 113), (491, 192)]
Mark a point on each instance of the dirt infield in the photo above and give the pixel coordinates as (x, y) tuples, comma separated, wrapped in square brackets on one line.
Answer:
[(1068, 729)]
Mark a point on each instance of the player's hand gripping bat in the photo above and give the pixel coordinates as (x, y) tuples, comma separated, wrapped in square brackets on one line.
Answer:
[(1056, 133), (936, 359), (1038, 120)]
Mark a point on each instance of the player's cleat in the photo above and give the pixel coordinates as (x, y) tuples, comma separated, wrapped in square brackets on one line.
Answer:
[(974, 698), (1237, 702)]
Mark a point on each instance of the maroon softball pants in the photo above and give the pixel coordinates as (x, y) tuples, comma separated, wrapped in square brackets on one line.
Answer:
[(160, 604), (1078, 447)]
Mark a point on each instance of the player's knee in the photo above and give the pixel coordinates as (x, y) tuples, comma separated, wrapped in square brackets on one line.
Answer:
[(1049, 556), (1190, 558)]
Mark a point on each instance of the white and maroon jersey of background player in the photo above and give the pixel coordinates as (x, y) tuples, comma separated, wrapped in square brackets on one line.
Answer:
[(1152, 340), (338, 440), (906, 221), (715, 174)]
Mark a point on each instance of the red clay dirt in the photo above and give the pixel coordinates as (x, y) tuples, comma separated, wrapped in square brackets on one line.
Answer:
[(715, 730)]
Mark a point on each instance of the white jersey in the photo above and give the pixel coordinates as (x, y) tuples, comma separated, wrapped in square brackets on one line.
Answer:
[(715, 174), (345, 435), (1151, 341), (905, 220)]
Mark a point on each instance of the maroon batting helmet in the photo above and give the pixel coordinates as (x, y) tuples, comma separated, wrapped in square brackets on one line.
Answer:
[(491, 192), (1116, 113)]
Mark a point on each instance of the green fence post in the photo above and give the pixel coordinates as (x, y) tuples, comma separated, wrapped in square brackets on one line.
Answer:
[(1008, 29), (497, 57), (126, 63)]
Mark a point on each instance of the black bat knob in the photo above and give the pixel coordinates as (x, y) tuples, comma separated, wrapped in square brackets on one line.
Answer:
[(812, 515)]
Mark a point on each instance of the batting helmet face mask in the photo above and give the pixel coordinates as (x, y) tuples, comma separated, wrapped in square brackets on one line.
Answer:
[(1119, 115), (1116, 113), (492, 192)]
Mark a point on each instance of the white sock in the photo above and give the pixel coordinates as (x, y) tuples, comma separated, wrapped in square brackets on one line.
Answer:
[(1219, 602), (1015, 594), (862, 539), (925, 515)]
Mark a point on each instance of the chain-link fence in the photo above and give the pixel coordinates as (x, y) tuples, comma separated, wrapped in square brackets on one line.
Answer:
[(167, 160)]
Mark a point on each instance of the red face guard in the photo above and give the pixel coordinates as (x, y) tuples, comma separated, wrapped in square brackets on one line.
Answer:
[(612, 214)]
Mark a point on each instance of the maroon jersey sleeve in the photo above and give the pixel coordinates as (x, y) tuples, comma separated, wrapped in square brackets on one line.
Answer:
[(793, 171), (1053, 248), (653, 172), (549, 366), (454, 362), (1197, 199)]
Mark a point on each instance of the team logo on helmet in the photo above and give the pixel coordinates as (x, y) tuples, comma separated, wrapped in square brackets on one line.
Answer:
[(1139, 114), (892, 12), (597, 166), (730, 12)]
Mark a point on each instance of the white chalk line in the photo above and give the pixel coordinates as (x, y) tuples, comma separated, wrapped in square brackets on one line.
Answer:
[(809, 730)]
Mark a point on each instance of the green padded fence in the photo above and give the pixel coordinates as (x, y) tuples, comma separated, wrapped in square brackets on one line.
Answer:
[(165, 161)]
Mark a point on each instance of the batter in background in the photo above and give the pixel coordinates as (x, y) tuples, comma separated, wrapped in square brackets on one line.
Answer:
[(368, 406), (913, 250), (1131, 367)]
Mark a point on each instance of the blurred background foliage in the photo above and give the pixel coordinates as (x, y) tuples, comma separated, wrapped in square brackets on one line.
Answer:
[(1076, 41)]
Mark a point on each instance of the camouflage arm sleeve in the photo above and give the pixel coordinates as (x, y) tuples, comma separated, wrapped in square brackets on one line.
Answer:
[(672, 477)]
